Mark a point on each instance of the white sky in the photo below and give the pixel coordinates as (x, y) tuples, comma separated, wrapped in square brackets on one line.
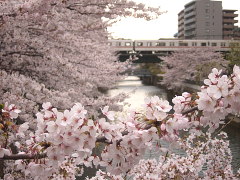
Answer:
[(163, 27)]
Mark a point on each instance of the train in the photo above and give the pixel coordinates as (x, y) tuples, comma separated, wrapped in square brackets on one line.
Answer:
[(170, 44)]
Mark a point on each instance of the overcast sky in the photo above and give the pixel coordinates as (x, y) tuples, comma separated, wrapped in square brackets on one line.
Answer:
[(165, 26)]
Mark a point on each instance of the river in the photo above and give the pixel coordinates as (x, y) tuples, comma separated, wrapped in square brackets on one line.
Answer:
[(137, 91)]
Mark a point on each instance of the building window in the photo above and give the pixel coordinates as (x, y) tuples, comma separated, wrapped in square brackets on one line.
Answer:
[(206, 10), (207, 23)]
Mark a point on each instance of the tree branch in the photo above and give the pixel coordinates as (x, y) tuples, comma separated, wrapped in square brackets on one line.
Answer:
[(100, 140), (190, 110), (26, 53), (23, 156)]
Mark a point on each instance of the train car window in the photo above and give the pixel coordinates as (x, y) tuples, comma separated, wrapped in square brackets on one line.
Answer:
[(214, 44), (183, 44), (118, 44), (127, 44), (203, 44), (109, 43), (160, 44), (194, 43), (223, 44), (140, 44), (149, 44), (171, 44)]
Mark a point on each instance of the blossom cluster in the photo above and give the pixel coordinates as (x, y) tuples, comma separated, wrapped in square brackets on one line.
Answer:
[(64, 140), (205, 158), (61, 135), (191, 64)]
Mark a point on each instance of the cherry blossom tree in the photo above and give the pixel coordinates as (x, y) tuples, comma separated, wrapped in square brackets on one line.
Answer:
[(233, 56), (192, 64), (64, 140), (57, 51)]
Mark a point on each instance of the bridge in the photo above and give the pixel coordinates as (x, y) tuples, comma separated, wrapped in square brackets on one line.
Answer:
[(151, 50), (138, 72), (144, 74)]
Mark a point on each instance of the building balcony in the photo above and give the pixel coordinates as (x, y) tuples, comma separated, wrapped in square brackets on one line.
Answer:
[(227, 37), (180, 33), (181, 22), (228, 26), (229, 11), (191, 33), (190, 27), (180, 36), (181, 18), (189, 9), (181, 13), (192, 20), (229, 15), (187, 15), (225, 32), (190, 4), (180, 30), (233, 21)]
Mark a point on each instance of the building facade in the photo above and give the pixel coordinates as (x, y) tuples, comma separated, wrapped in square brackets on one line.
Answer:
[(205, 19)]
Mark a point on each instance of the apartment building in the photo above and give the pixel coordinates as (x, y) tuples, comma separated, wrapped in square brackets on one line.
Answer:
[(205, 19)]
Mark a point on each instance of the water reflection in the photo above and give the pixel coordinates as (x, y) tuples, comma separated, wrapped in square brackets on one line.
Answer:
[(234, 137), (137, 91)]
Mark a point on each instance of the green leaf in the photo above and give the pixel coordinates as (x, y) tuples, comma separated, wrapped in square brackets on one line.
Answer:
[(1, 106)]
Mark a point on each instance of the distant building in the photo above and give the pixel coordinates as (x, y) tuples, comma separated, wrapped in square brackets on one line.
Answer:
[(205, 19)]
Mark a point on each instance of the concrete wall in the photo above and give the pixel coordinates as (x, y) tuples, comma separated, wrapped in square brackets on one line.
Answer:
[(208, 19)]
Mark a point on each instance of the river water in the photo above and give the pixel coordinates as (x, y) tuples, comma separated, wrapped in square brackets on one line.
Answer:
[(137, 92)]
